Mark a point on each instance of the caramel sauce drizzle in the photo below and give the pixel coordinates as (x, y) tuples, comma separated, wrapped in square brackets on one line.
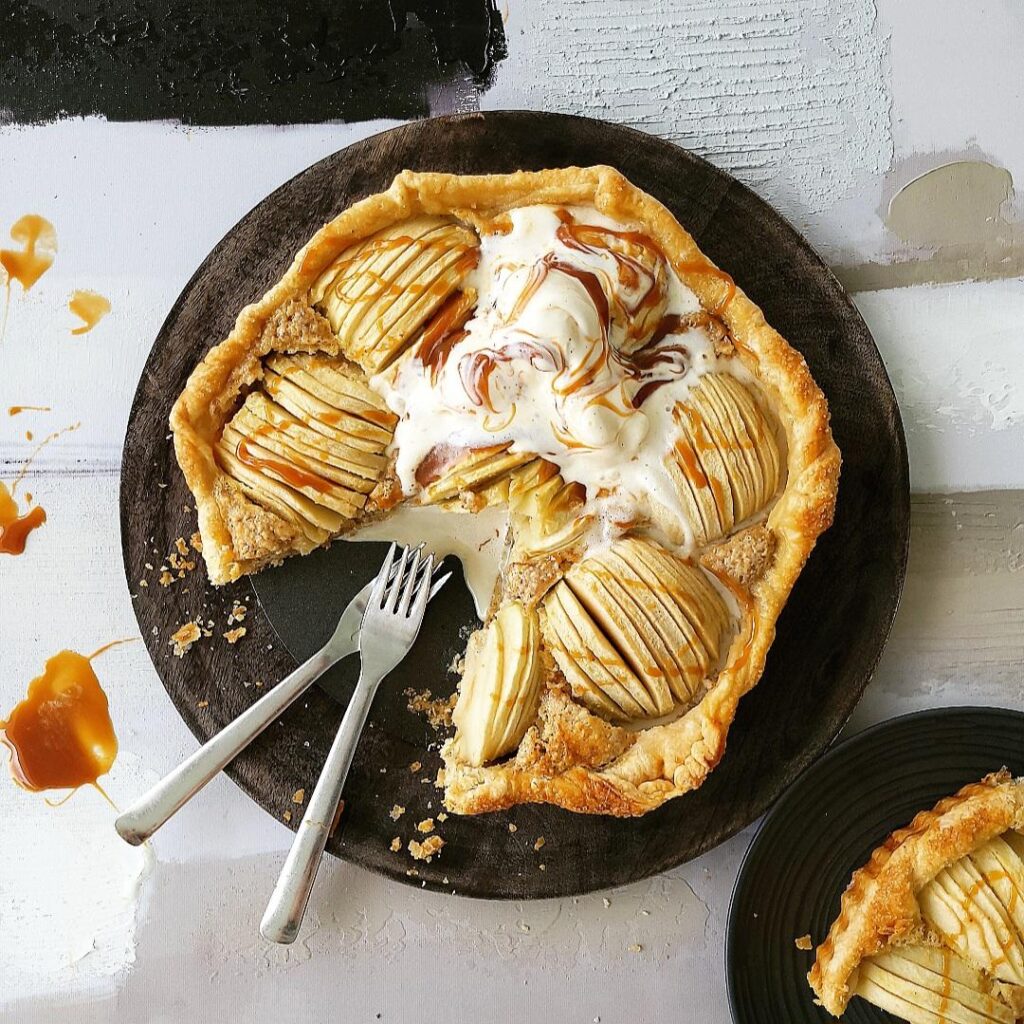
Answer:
[(60, 735), (747, 611), (702, 267), (89, 307), (293, 475), (595, 239), (442, 334), (17, 410)]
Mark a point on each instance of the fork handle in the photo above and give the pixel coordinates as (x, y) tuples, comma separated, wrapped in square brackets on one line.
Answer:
[(288, 901), (176, 788)]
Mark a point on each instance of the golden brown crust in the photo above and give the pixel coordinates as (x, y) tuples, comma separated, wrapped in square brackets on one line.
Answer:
[(880, 905), (621, 776)]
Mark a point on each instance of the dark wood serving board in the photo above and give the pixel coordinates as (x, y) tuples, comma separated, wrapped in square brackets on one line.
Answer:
[(829, 636)]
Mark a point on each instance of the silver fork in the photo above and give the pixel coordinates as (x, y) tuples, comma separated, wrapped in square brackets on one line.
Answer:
[(391, 622), (153, 809)]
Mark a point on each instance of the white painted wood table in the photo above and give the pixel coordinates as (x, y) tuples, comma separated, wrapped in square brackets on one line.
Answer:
[(835, 112)]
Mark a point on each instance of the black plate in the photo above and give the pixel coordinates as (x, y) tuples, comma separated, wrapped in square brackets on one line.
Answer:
[(829, 636), (825, 826)]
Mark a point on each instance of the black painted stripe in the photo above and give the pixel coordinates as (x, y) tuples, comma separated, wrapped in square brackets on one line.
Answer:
[(205, 62)]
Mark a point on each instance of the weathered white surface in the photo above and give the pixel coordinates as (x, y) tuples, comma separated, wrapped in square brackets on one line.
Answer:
[(825, 108), (955, 354)]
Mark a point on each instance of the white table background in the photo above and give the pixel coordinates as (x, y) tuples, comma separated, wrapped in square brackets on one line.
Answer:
[(828, 109)]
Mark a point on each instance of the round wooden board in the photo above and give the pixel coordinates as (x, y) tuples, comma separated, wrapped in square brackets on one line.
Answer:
[(829, 636), (825, 827)]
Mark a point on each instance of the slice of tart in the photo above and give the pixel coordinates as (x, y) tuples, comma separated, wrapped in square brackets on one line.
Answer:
[(551, 349), (932, 927)]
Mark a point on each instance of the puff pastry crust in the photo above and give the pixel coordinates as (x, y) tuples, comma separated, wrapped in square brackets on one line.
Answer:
[(931, 928), (573, 751)]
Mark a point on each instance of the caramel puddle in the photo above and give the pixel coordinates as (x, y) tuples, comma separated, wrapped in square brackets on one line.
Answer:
[(14, 527), (60, 735), (90, 308)]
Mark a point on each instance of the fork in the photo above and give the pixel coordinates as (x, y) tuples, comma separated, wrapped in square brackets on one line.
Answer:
[(158, 804), (391, 622)]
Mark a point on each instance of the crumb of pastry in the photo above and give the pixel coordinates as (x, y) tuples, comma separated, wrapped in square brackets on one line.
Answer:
[(196, 540), (234, 635), (607, 902), (426, 825), (143, 583), (437, 711), (442, 817), (396, 844), (543, 867), (181, 546), (237, 613), (298, 796), (427, 849), (396, 812), (635, 948), (166, 579), (458, 664), (202, 704), (415, 767), (183, 639), (179, 563), (804, 942), (287, 815), (744, 557), (539, 843), (512, 827)]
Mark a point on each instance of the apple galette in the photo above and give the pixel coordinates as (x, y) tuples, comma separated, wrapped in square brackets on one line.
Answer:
[(932, 927), (552, 352)]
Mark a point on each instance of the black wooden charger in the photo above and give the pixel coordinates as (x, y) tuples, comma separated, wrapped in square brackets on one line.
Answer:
[(830, 634)]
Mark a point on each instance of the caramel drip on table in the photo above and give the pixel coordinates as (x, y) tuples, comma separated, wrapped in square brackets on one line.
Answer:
[(15, 528), (17, 410), (90, 308), (39, 249), (60, 735)]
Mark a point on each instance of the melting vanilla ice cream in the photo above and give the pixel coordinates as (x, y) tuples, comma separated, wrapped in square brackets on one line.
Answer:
[(582, 342)]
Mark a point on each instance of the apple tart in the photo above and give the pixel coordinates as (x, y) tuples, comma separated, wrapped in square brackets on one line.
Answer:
[(553, 350), (932, 927)]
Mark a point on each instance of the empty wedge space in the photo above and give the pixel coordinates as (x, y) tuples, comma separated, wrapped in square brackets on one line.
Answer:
[(624, 627), (930, 985), (379, 293), (725, 459)]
